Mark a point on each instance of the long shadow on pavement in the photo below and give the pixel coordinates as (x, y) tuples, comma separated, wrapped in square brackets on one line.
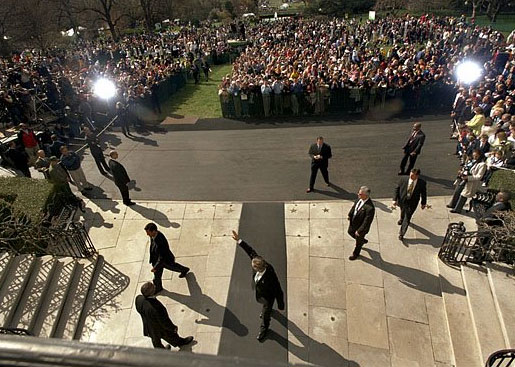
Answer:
[(207, 307), (311, 350), (433, 239), (411, 277), (339, 193)]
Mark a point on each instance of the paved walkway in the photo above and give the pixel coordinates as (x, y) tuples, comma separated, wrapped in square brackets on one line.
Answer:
[(385, 309)]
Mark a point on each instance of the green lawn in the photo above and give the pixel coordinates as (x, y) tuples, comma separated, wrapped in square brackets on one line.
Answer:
[(505, 23), (199, 100)]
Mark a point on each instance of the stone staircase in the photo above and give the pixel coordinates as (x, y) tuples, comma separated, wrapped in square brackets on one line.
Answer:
[(479, 303), (47, 296)]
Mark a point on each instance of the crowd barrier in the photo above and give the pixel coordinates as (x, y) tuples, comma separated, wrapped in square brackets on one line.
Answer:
[(425, 98)]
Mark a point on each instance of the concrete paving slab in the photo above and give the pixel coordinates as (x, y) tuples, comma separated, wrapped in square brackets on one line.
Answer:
[(224, 227), (402, 362), (297, 227), (502, 280), (172, 211), (298, 350), (366, 356), (326, 282), (111, 328), (402, 300), (144, 210), (216, 290), (410, 341), (326, 210), (104, 208), (367, 270), (325, 321), (171, 230), (326, 238), (103, 233), (228, 211), (297, 253), (298, 307), (366, 316), (207, 343), (195, 237), (221, 256), (330, 351), (296, 211), (199, 211)]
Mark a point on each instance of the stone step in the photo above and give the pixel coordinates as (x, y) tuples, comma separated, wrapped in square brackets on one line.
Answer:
[(50, 307), (34, 293), (502, 283), (89, 300), (487, 328), (74, 304), (13, 284), (463, 340)]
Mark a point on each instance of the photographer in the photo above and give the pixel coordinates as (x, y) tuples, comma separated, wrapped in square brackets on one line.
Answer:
[(468, 181)]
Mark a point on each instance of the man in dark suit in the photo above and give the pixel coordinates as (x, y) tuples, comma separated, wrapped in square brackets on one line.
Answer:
[(156, 322), (502, 204), (320, 154), (161, 257), (412, 148), (408, 194), (120, 176), (265, 282), (360, 218)]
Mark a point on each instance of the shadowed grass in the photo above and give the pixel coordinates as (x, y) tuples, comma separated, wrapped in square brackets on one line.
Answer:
[(199, 100)]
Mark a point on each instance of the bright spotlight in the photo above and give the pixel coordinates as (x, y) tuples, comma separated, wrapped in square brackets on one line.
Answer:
[(468, 72), (104, 88)]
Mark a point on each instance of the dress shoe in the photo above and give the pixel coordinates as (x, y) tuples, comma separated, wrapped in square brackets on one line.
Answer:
[(401, 237), (309, 190), (400, 173), (328, 183), (449, 206), (158, 290), (262, 334), (455, 211), (353, 257), (183, 274), (399, 222), (187, 340), (130, 203)]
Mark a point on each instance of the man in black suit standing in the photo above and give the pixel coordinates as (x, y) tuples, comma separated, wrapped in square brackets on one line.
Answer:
[(408, 194), (412, 148), (265, 282), (161, 257), (120, 176), (320, 154), (360, 218), (156, 322)]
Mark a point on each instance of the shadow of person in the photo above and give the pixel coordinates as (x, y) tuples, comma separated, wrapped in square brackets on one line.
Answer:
[(310, 350), (207, 307), (154, 215), (338, 192), (145, 141), (381, 206), (411, 277), (446, 183), (433, 239), (188, 347)]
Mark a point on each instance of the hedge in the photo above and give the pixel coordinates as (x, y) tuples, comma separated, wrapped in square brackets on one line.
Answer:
[(504, 180), (28, 196)]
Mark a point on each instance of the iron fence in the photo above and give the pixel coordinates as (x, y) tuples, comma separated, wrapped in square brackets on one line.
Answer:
[(502, 358)]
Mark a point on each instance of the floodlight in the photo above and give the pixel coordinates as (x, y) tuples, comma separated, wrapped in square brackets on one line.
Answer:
[(104, 88), (468, 72)]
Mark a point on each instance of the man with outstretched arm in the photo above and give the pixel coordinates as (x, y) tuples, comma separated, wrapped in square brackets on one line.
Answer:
[(265, 282)]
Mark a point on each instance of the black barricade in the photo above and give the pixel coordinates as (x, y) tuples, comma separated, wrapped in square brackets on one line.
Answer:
[(428, 98)]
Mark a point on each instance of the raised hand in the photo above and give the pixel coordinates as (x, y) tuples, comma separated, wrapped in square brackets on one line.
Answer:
[(235, 235)]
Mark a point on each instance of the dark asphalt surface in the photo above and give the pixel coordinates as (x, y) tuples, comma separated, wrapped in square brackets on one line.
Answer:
[(235, 161), (262, 227)]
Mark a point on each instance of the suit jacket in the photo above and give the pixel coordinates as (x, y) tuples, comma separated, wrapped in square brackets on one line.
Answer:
[(268, 287), (325, 152), (414, 143), (485, 148), (419, 192), (490, 218), (120, 176), (363, 219), (160, 251), (156, 322)]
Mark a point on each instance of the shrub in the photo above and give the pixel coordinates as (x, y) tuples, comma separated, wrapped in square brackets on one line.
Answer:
[(504, 180)]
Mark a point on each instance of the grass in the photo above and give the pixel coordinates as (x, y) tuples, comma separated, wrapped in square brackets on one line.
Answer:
[(199, 100), (505, 23)]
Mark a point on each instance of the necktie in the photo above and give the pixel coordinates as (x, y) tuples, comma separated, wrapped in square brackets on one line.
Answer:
[(358, 206), (410, 188)]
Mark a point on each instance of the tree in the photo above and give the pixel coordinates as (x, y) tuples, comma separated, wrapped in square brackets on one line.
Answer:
[(148, 8), (107, 11)]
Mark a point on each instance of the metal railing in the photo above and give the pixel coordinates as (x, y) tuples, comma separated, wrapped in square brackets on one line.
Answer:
[(460, 246), (502, 358), (15, 331), (36, 352), (74, 241)]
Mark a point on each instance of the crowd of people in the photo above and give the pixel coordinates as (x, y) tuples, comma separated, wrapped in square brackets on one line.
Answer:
[(31, 81), (296, 66), (483, 122)]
